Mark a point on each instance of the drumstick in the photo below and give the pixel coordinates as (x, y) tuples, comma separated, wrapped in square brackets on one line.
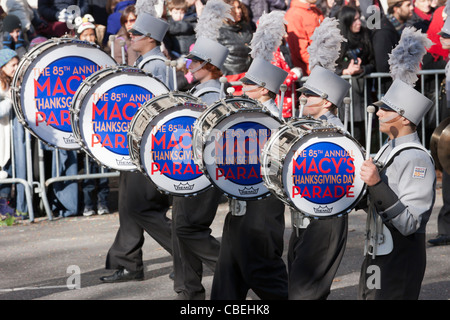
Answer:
[(122, 48), (303, 101), (167, 63), (283, 89), (230, 91), (222, 80), (347, 101), (371, 111), (112, 38), (173, 63)]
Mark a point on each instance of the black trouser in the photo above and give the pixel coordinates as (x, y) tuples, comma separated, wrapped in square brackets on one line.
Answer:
[(192, 219), (314, 257), (251, 254), (141, 207), (400, 273)]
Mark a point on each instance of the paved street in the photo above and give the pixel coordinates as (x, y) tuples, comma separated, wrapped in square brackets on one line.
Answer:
[(38, 260)]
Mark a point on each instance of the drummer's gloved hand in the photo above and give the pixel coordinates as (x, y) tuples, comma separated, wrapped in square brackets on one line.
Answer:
[(61, 16)]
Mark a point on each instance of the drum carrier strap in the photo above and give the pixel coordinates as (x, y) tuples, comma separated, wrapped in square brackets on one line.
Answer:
[(146, 60)]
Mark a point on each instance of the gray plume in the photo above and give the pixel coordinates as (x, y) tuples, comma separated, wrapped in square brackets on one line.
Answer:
[(268, 36), (147, 6), (211, 19), (326, 44), (405, 58)]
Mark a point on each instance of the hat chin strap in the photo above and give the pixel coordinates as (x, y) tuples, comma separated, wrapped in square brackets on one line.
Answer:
[(391, 119), (199, 67), (250, 88)]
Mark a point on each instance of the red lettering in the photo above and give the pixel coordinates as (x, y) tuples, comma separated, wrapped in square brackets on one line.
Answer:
[(349, 192), (219, 173), (351, 165), (301, 166), (69, 81), (295, 191), (42, 115), (175, 169), (45, 86), (322, 170), (337, 165), (65, 117), (186, 134), (59, 88), (158, 142), (155, 167), (115, 113), (96, 111), (316, 191)]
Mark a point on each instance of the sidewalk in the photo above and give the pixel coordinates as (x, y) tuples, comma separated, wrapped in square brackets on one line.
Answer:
[(38, 260)]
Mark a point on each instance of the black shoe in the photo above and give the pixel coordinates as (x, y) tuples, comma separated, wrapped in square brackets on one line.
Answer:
[(440, 240), (190, 296), (123, 275)]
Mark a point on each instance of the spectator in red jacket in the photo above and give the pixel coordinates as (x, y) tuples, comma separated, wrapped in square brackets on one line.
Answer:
[(302, 19)]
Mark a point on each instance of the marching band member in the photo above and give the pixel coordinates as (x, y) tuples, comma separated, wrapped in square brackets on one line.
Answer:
[(193, 216), (401, 193), (141, 205), (252, 241), (316, 247)]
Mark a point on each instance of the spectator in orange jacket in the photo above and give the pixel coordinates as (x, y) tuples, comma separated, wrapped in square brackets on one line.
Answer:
[(302, 19)]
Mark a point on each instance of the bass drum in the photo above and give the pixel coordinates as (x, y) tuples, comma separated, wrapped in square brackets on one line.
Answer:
[(227, 141), (103, 108), (159, 139), (43, 86), (314, 167)]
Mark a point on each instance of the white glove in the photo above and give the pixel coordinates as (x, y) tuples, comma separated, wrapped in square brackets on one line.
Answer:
[(61, 16), (298, 72)]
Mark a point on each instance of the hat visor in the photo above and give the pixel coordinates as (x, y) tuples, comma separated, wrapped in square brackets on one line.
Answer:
[(135, 32), (443, 34), (193, 57), (307, 91), (381, 105), (246, 80)]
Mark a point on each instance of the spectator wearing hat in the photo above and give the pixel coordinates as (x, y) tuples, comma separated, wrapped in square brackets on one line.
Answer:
[(85, 29), (8, 65), (13, 36)]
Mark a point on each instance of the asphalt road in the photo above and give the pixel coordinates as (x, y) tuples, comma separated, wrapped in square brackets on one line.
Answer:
[(64, 258)]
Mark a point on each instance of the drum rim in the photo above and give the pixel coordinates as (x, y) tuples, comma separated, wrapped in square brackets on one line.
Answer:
[(85, 88), (22, 70), (224, 102), (286, 199), (135, 154)]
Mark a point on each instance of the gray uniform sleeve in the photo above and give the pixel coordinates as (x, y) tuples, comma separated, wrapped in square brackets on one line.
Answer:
[(408, 196)]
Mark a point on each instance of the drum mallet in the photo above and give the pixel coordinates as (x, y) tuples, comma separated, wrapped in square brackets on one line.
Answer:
[(230, 91), (112, 38), (173, 64), (283, 89), (347, 101), (371, 111), (167, 63), (303, 101), (222, 80), (122, 48)]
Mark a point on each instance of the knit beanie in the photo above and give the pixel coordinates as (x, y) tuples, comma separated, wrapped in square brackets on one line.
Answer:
[(6, 54), (11, 22)]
